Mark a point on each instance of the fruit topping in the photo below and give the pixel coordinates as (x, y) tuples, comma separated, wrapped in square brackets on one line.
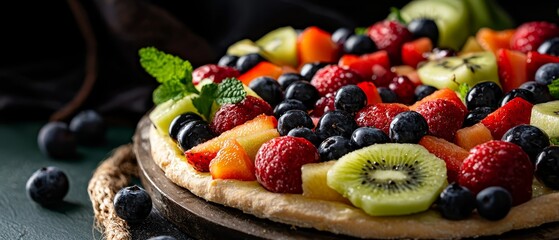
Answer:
[(443, 117), (340, 35), (530, 138), (308, 70), (408, 127), (213, 72), (387, 95), (471, 136), (476, 115), (56, 140), (359, 44), (288, 104), (231, 115), (335, 123), (232, 162), (452, 154), (547, 167), (228, 61), (294, 119), (550, 47), (540, 92), (530, 35), (545, 116), (493, 40), (370, 66), (494, 203), (280, 46), (261, 69), (314, 182), (332, 77), (513, 113), (132, 203), (390, 35), (179, 121), (248, 61), (350, 98), (47, 186), (416, 51), (404, 89), (456, 202), (333, 148), (535, 60), (304, 92), (305, 133), (366, 136), (389, 179), (379, 115), (278, 163), (424, 27), (498, 163), (484, 94), (193, 133), (268, 89), (287, 79), (315, 45), (547, 73)]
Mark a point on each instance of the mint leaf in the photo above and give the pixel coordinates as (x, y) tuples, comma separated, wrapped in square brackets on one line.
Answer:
[(554, 141), (231, 90), (396, 15), (204, 101), (165, 67), (554, 88), (361, 30), (463, 91), (168, 90)]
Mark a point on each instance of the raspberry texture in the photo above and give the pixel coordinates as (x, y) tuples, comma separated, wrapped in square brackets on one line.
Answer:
[(332, 77), (390, 36), (278, 163), (443, 117), (323, 105), (529, 36), (231, 115), (214, 72), (498, 163), (379, 115)]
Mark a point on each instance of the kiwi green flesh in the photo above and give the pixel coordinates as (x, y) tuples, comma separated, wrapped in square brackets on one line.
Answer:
[(546, 117), (389, 179)]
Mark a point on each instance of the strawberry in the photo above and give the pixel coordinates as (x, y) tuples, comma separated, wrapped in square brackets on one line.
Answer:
[(278, 163), (213, 72), (511, 68), (414, 52), (200, 161), (443, 117), (535, 60), (332, 77), (390, 35), (452, 154), (515, 112), (529, 36), (371, 92), (498, 163), (363, 65), (379, 115), (230, 115)]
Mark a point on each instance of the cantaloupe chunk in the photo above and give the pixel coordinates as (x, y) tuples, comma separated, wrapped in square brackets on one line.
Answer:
[(452, 154), (471, 136)]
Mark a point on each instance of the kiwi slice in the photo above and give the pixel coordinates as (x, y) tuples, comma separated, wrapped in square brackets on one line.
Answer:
[(246, 46), (451, 72), (281, 46), (451, 16), (389, 179), (546, 117)]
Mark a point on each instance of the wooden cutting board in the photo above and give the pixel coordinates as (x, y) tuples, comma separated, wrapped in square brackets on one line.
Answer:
[(206, 220)]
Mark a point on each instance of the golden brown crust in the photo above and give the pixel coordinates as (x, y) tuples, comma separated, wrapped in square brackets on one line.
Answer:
[(294, 209)]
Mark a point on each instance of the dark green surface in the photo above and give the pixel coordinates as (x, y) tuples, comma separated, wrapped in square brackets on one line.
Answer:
[(21, 218)]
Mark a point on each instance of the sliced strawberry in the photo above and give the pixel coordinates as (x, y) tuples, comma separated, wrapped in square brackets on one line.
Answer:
[(332, 77), (512, 68), (413, 52), (379, 115), (316, 45), (443, 117), (513, 113), (371, 92), (452, 154), (445, 93), (493, 40), (390, 35), (261, 69), (529, 36), (535, 60), (363, 65)]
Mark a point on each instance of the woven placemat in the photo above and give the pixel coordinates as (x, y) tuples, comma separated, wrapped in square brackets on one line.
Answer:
[(113, 174)]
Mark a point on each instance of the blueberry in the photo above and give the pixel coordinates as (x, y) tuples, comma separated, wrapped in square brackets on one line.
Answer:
[(547, 73), (47, 186), (305, 133), (530, 138), (484, 94), (294, 119), (541, 92), (333, 148), (366, 136), (547, 167), (422, 91), (162, 237), (89, 127), (476, 115), (268, 89), (550, 47), (359, 44), (309, 69), (341, 35), (424, 27), (246, 62), (517, 92), (387, 95), (408, 127), (228, 61), (179, 121), (335, 123), (133, 204), (493, 203), (456, 202), (304, 92), (57, 141), (287, 79), (194, 133), (350, 98), (288, 104)]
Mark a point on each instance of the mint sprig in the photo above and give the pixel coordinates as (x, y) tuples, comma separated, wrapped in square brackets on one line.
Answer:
[(174, 74), (554, 141), (396, 15), (463, 90), (229, 91), (554, 88)]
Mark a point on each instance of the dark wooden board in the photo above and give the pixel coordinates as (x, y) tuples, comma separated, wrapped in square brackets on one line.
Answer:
[(206, 220)]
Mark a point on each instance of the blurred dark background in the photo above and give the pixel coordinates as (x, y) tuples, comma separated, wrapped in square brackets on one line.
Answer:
[(42, 62)]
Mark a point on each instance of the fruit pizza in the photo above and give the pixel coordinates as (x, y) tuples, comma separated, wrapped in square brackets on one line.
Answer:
[(439, 121)]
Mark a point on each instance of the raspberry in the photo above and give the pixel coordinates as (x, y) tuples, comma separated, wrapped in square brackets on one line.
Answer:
[(529, 36), (332, 77), (323, 105), (214, 72), (278, 163), (231, 115), (443, 117), (379, 115), (390, 36), (498, 163)]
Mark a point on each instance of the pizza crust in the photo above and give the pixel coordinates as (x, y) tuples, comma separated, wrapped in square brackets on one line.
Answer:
[(340, 218)]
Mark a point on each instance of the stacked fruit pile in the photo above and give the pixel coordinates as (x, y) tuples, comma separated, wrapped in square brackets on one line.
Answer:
[(441, 104)]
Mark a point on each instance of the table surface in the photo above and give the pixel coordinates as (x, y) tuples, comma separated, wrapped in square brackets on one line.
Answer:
[(21, 218)]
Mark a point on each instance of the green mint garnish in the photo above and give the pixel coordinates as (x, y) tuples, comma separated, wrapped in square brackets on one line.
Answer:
[(554, 141), (463, 90), (174, 74), (229, 91), (396, 15), (554, 88), (361, 30)]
